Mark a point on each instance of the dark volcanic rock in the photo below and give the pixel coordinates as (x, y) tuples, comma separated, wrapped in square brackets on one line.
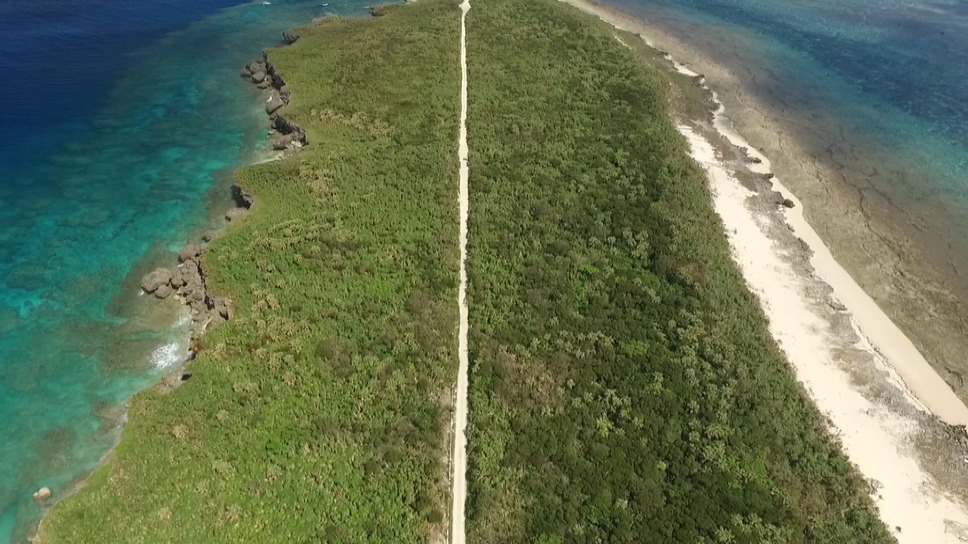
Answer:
[(241, 197), (285, 126), (152, 281)]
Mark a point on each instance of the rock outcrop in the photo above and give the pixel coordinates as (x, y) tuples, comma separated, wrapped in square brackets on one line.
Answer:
[(241, 197), (43, 495), (187, 283), (190, 252), (290, 136), (153, 280), (273, 105), (289, 37)]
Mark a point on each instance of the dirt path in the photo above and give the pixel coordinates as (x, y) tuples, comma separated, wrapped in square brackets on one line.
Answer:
[(459, 477)]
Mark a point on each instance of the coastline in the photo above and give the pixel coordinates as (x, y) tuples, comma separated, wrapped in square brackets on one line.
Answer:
[(193, 301), (880, 394), (143, 404), (802, 277), (908, 258)]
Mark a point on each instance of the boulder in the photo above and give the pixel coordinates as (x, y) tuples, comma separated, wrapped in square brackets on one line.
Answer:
[(163, 291), (153, 280), (241, 197), (273, 104), (190, 252), (190, 270), (178, 281), (208, 236), (258, 77), (43, 494), (290, 37), (196, 295), (264, 84), (285, 126), (787, 203)]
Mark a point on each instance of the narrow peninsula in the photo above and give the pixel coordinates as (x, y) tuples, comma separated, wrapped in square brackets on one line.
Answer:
[(623, 381)]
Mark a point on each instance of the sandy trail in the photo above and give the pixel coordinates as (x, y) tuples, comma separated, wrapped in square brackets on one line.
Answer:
[(459, 476)]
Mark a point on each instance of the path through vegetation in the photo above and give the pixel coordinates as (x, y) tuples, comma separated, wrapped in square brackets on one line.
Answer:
[(459, 491)]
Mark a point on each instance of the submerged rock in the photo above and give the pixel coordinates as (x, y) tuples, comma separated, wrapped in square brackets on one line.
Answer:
[(153, 280)]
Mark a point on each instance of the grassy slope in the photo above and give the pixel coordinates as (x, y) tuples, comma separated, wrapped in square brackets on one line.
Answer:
[(319, 413), (624, 387)]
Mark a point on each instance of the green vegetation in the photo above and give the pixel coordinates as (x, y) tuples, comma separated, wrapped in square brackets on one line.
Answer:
[(624, 387), (321, 413)]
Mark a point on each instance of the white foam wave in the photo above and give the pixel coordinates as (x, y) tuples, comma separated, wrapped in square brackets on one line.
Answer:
[(167, 355)]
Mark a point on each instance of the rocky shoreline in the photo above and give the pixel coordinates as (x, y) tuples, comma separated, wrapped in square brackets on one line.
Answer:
[(186, 282), (287, 136)]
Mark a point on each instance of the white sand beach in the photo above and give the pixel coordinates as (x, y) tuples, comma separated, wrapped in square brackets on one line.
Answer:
[(877, 391)]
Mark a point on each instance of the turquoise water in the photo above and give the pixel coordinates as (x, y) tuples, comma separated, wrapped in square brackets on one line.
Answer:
[(121, 127)]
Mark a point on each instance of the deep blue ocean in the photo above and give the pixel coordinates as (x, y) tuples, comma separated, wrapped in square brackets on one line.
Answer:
[(120, 124)]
